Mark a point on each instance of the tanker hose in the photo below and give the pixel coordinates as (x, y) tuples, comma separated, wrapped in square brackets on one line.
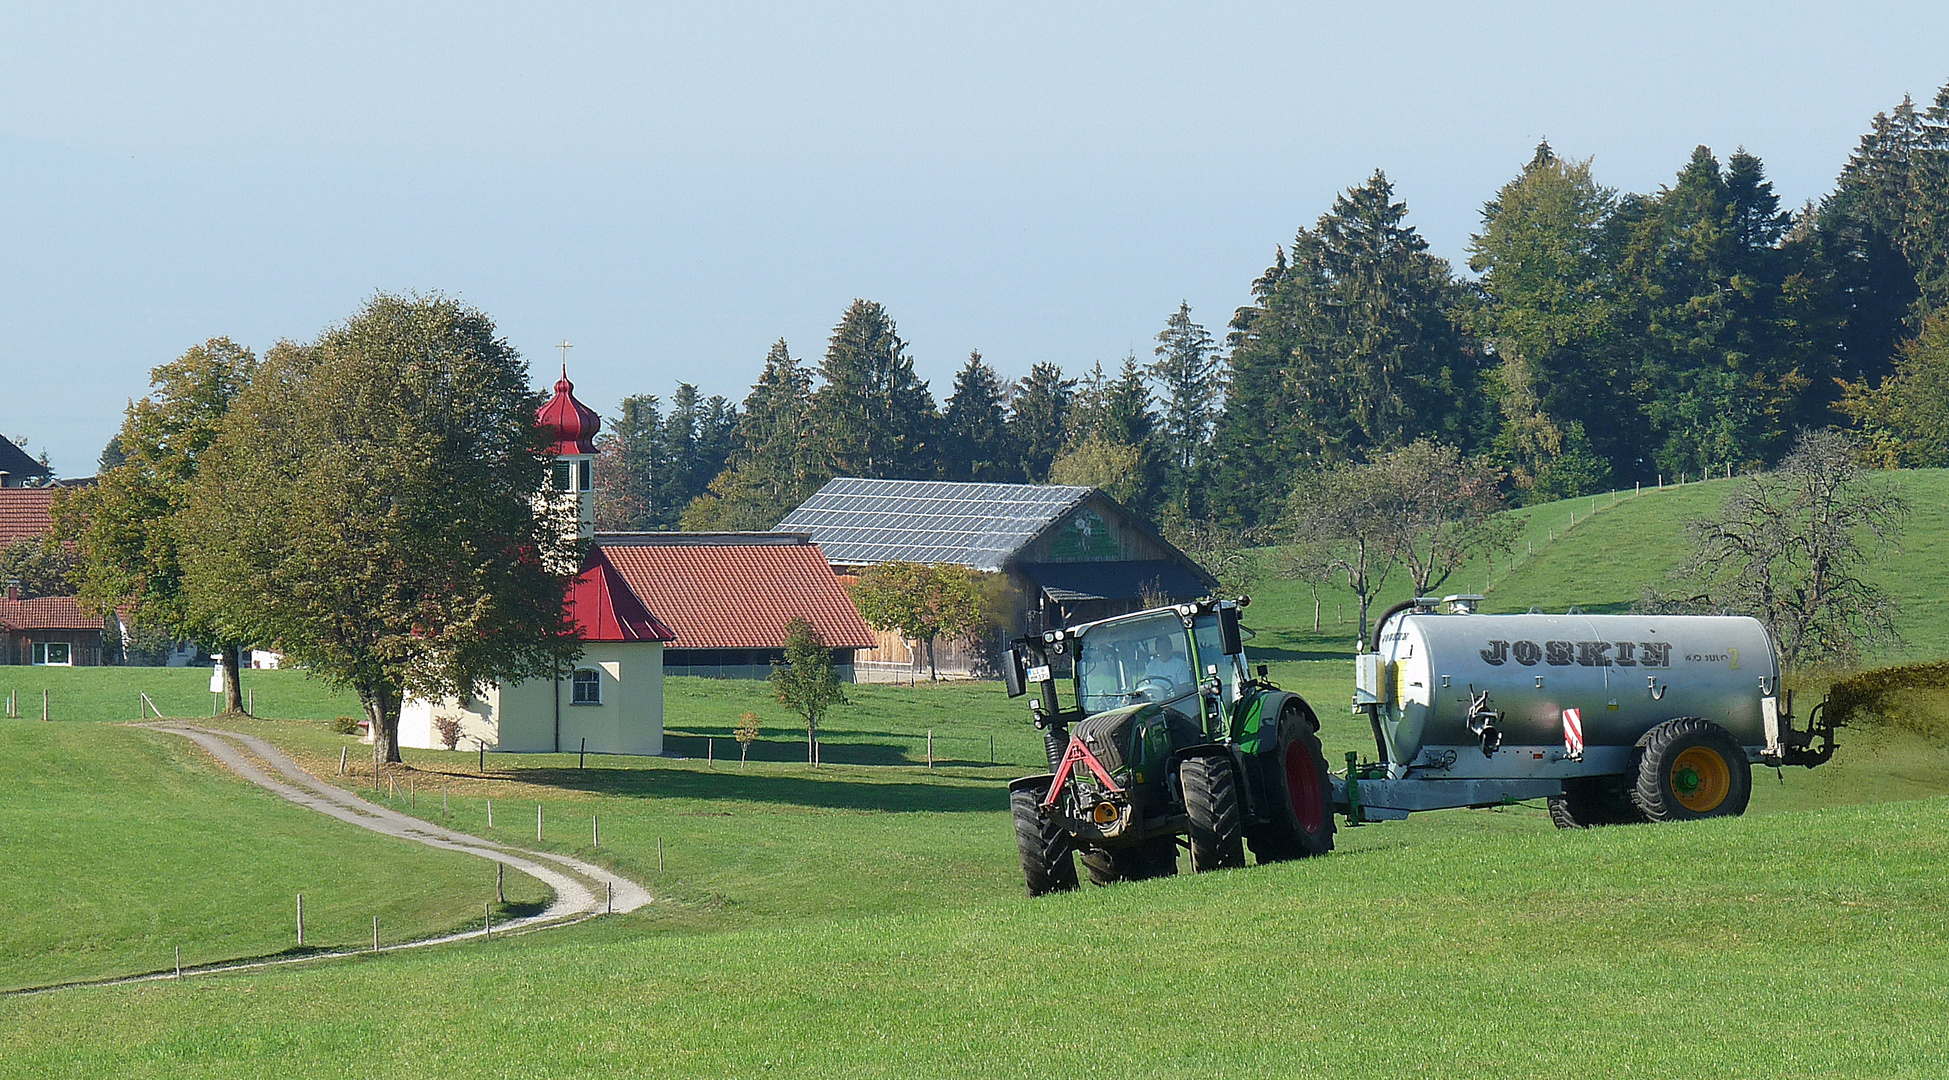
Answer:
[(1382, 621)]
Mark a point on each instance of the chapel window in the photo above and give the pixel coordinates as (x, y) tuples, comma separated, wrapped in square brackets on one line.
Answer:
[(586, 689)]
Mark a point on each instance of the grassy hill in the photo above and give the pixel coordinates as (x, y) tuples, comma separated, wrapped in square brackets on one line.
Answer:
[(865, 919)]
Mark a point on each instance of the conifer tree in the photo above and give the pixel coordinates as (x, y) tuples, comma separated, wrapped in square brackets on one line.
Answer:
[(1038, 420), (772, 467), (629, 479), (873, 416), (975, 444), (1351, 348), (1187, 371)]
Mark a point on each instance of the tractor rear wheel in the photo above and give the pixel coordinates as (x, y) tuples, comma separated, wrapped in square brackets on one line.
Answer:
[(1047, 865), (1594, 800), (1211, 802), (1298, 794), (1691, 768)]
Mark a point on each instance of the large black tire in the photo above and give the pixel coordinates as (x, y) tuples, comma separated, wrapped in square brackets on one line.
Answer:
[(1594, 800), (1298, 794), (1690, 768), (1157, 857), (1211, 802), (1047, 864)]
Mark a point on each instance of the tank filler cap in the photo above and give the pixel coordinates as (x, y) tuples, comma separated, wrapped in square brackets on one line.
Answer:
[(1462, 603), (1425, 604)]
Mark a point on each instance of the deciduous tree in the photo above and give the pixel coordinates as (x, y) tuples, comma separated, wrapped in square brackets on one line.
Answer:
[(370, 511), (129, 528), (806, 683), (923, 602)]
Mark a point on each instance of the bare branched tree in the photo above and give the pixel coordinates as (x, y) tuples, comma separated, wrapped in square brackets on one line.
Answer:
[(1792, 548), (1424, 508)]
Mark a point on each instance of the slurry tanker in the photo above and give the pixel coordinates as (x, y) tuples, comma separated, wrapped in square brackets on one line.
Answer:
[(1171, 740)]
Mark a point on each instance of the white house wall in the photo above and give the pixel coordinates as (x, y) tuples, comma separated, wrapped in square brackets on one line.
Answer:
[(521, 718)]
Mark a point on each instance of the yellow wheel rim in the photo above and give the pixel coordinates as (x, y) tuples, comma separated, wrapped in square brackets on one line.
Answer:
[(1701, 779)]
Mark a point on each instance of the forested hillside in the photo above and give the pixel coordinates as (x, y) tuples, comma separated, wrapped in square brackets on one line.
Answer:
[(1598, 339)]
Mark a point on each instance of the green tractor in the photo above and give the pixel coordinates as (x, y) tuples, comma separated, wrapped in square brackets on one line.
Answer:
[(1169, 744)]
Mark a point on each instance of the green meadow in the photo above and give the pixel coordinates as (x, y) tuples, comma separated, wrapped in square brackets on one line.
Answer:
[(865, 918)]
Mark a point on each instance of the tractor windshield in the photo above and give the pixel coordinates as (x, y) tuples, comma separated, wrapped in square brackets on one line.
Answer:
[(1126, 663)]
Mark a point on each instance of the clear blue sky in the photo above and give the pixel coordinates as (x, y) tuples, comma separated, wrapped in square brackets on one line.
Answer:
[(673, 187)]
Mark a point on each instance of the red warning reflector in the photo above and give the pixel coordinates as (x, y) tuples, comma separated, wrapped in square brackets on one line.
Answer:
[(1573, 734)]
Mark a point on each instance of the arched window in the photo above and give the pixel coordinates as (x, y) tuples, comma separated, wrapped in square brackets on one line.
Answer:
[(586, 688)]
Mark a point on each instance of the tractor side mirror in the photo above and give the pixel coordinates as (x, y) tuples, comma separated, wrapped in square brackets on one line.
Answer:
[(1014, 673), (1230, 641)]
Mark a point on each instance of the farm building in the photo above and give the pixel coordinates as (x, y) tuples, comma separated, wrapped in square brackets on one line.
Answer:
[(728, 597), (17, 469), (1068, 554), (713, 604), (52, 631)]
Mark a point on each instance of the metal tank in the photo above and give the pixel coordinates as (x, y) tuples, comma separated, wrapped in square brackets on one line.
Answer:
[(1446, 687)]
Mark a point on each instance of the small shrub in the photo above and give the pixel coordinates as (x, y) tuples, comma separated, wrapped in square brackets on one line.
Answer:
[(449, 729), (346, 725), (746, 733)]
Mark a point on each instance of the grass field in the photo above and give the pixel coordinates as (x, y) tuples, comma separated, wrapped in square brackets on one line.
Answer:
[(123, 844), (865, 918)]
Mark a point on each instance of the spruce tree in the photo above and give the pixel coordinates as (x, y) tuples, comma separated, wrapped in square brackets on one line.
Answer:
[(630, 474), (873, 417), (1351, 348), (1038, 420), (1187, 372), (975, 423), (771, 468)]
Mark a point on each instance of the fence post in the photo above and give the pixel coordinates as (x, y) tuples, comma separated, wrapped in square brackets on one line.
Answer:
[(659, 854), (583, 754), (490, 813), (44, 705), (301, 920), (501, 882), (930, 748), (537, 821), (595, 830), (375, 933), (341, 761), (710, 752)]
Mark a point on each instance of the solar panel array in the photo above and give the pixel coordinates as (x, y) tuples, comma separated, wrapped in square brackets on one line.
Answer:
[(859, 522)]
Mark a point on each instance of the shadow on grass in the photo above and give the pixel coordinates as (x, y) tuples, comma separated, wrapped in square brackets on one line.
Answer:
[(831, 753), (726, 783)]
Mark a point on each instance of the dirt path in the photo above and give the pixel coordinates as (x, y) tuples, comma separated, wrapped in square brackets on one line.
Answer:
[(581, 889)]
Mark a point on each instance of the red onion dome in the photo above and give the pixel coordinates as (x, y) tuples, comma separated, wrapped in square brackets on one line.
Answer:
[(570, 426)]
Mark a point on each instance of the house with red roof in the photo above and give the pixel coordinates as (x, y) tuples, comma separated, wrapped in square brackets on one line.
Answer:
[(48, 630), (646, 604)]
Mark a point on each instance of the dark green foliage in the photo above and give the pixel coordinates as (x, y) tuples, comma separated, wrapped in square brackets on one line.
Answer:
[(975, 442), (1727, 335), (111, 455), (1351, 347), (1113, 441), (1904, 419), (129, 528), (873, 417), (42, 567), (1187, 370), (1038, 420), (370, 511), (772, 464), (627, 488)]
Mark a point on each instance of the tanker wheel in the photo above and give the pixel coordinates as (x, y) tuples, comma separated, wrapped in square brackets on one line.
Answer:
[(1594, 800), (1211, 802), (1047, 865), (1690, 768), (1298, 793)]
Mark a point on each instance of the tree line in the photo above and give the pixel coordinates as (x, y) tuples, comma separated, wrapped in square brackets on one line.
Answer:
[(1604, 339)]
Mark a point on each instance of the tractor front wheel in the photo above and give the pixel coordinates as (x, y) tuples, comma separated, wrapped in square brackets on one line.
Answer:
[(1298, 793), (1211, 802), (1047, 863)]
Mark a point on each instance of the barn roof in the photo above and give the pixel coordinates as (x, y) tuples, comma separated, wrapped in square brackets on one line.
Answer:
[(859, 522), (24, 513), (738, 596), (47, 613)]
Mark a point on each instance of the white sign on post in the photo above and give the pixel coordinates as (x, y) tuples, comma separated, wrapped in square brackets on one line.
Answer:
[(216, 675)]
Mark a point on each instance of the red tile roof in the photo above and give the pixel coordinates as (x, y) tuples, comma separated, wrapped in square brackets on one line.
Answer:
[(741, 597), (605, 610), (24, 513), (47, 613)]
